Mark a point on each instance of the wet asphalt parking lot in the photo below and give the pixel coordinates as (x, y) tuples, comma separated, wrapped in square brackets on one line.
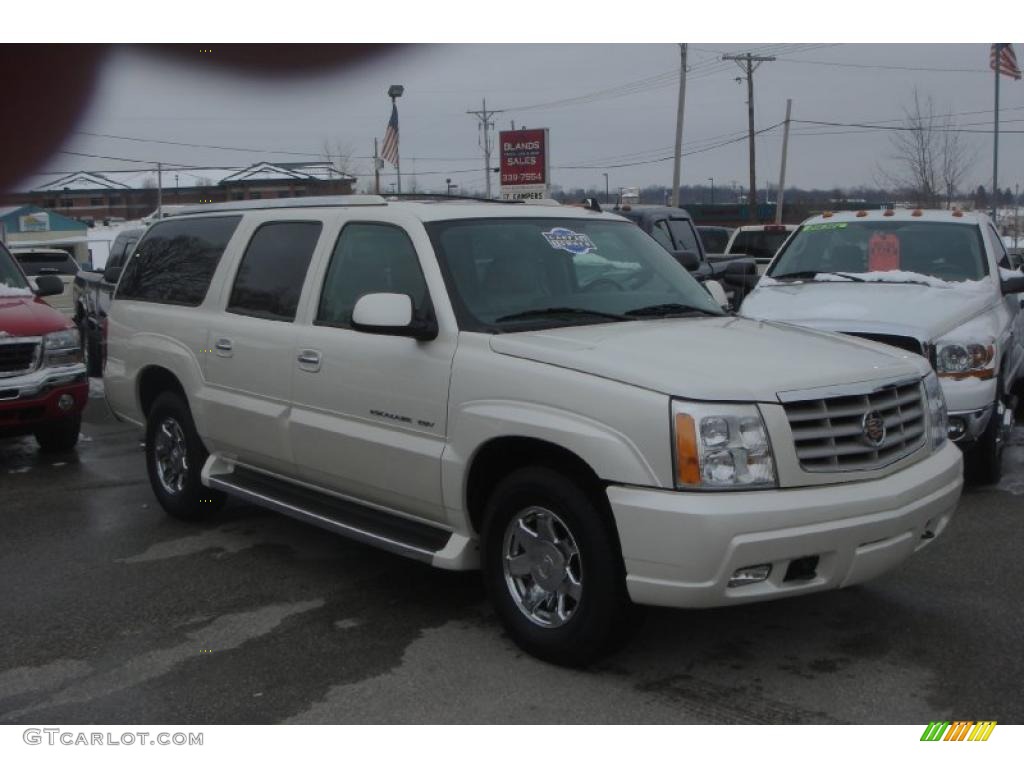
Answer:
[(112, 612)]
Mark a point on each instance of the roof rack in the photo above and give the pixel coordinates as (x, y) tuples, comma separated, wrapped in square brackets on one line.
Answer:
[(440, 197), (320, 201)]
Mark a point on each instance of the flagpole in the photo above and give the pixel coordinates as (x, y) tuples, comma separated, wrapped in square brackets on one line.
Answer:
[(995, 136)]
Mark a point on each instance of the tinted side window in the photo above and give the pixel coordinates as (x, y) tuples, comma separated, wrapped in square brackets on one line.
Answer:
[(683, 234), (175, 261), (999, 249), (273, 269), (660, 233), (370, 258)]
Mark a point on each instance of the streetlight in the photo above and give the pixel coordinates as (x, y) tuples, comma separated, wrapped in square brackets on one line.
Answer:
[(607, 197), (394, 92), (712, 180)]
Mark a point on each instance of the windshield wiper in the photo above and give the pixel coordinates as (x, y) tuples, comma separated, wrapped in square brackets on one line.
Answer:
[(665, 310), (556, 311), (810, 274)]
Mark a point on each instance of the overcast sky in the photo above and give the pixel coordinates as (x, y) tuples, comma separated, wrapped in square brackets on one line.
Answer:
[(145, 96)]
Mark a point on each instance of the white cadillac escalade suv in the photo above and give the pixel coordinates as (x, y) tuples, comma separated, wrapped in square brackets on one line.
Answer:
[(538, 391)]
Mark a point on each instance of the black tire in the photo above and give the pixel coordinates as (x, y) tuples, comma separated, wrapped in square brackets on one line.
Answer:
[(600, 620), (983, 461), (185, 497), (59, 436)]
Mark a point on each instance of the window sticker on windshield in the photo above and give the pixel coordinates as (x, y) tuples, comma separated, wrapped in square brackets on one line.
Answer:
[(562, 239), (827, 225), (883, 252)]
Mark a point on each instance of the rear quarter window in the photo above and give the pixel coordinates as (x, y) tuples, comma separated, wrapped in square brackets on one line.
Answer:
[(175, 261)]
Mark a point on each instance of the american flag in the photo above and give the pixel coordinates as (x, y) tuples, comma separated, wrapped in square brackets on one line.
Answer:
[(390, 149), (1007, 60)]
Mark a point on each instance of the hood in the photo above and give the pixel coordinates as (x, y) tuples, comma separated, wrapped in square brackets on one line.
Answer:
[(713, 358), (29, 316), (924, 312)]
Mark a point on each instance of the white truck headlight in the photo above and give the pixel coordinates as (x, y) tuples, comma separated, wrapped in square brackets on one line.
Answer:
[(958, 360), (938, 417), (720, 446), (62, 348)]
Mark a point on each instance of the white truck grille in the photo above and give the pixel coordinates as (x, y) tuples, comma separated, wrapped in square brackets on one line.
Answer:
[(841, 433)]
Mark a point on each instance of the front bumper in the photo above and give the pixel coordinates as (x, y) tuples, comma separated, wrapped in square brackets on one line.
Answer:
[(33, 400), (681, 548)]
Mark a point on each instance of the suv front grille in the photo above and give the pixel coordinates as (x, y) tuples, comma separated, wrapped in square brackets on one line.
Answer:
[(829, 433), (17, 357)]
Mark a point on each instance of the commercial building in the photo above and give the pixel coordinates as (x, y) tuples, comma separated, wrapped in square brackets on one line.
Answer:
[(94, 197)]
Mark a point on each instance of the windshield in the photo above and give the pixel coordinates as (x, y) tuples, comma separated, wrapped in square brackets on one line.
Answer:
[(759, 243), (947, 251), (518, 274), (47, 264), (10, 275)]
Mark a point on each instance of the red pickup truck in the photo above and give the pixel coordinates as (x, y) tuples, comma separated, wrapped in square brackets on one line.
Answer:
[(43, 384)]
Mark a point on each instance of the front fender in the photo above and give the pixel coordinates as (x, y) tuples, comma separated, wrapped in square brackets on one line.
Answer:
[(612, 455)]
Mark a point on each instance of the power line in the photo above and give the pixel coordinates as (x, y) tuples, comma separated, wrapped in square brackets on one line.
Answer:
[(897, 67)]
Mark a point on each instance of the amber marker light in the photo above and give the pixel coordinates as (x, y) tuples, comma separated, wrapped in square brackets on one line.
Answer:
[(687, 460)]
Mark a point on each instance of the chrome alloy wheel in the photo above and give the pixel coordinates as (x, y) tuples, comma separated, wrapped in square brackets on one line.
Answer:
[(541, 563), (171, 455)]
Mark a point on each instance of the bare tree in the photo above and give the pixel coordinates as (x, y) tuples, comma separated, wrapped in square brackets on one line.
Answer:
[(338, 156), (929, 155), (956, 158)]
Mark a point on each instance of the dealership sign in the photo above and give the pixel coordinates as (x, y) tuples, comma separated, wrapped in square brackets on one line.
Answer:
[(524, 164), (34, 222)]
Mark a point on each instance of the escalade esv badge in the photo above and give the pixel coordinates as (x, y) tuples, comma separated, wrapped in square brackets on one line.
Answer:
[(873, 427)]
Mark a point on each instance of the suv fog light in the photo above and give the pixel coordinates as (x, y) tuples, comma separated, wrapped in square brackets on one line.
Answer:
[(957, 428), (65, 402), (749, 574)]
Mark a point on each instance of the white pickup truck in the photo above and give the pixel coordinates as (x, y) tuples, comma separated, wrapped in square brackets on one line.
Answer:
[(935, 283), (537, 391)]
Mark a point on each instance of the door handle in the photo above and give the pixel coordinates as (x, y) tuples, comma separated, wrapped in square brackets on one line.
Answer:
[(309, 360), (223, 347)]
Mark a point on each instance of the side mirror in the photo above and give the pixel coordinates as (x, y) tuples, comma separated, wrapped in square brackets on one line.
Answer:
[(1013, 284), (390, 314), (49, 285), (111, 274), (689, 259)]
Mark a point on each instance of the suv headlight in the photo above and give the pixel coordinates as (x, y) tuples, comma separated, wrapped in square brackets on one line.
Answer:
[(938, 417), (62, 348), (720, 446), (958, 360)]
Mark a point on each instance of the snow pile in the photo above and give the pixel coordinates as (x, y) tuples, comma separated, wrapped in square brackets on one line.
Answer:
[(893, 276), (7, 292)]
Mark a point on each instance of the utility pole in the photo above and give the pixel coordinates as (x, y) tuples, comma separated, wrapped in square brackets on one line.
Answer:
[(606, 195), (159, 191), (486, 124), (376, 169), (748, 63), (679, 125), (995, 139), (782, 166)]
